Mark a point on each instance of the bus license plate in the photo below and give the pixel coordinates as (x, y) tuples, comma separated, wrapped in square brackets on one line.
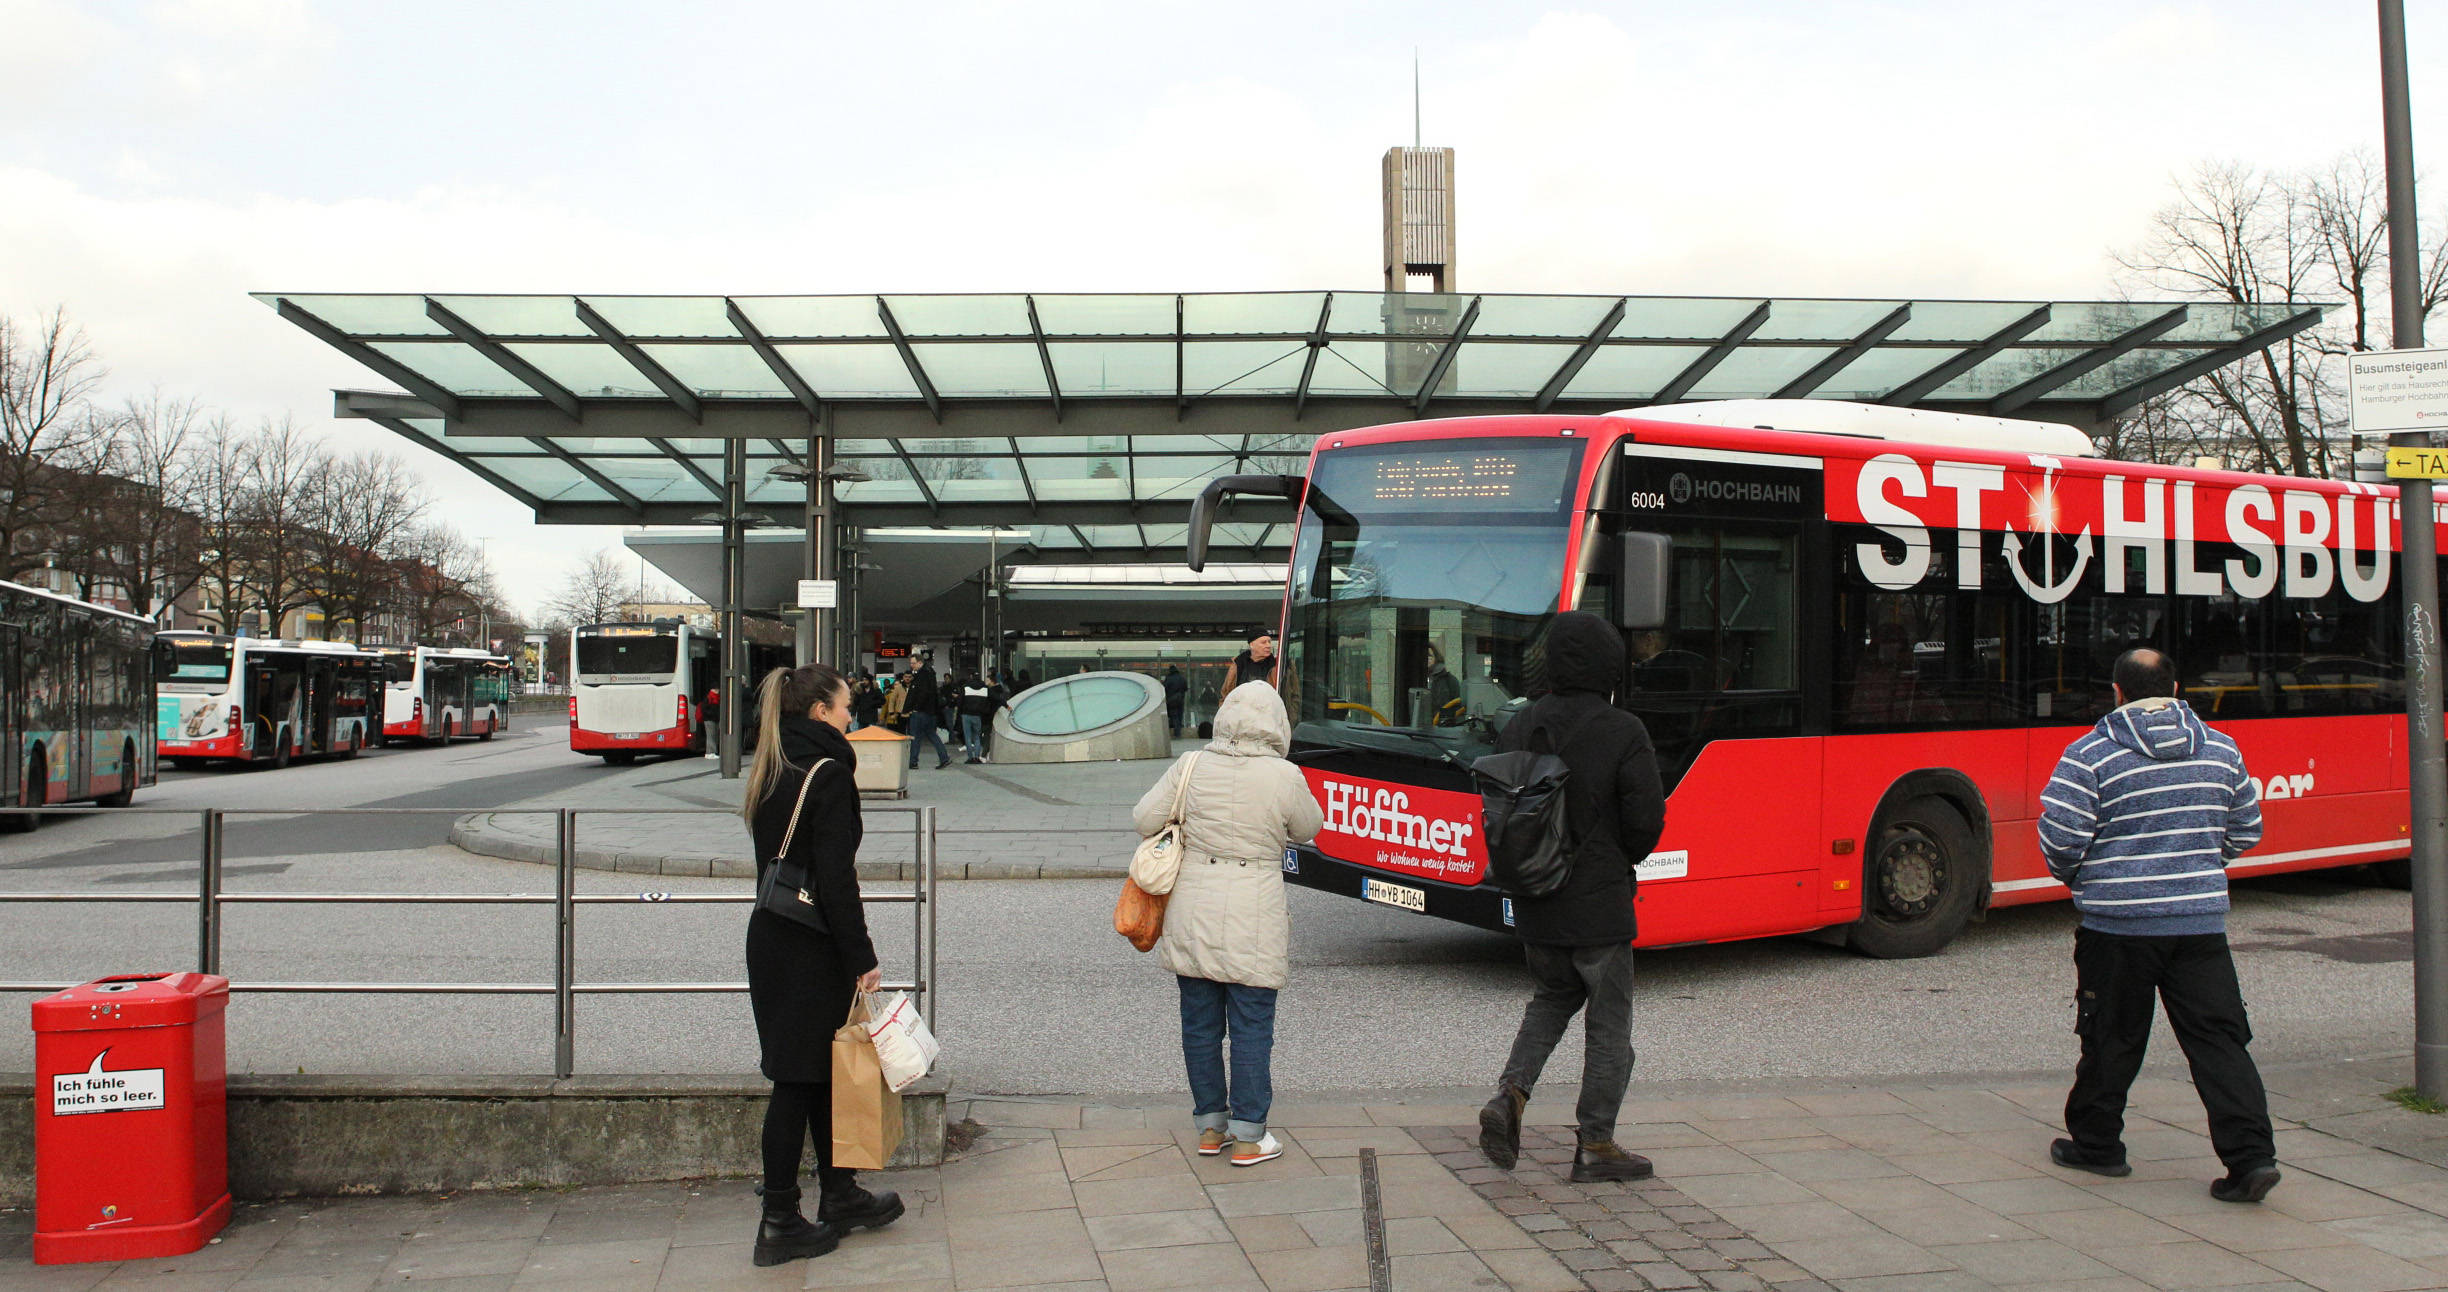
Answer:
[(1410, 899), (626, 735)]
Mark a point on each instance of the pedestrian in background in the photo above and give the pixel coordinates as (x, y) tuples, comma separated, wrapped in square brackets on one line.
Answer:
[(1227, 936), (919, 706), (866, 702), (1255, 663), (1577, 941), (1177, 698), (976, 709), (2140, 820), (801, 980)]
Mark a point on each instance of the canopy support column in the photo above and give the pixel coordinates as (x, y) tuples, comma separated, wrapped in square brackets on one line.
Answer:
[(735, 697)]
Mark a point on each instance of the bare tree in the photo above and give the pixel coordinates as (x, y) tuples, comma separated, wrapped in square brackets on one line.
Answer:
[(369, 503), (217, 490), (285, 518), (47, 378), (594, 592), (440, 580), (156, 548)]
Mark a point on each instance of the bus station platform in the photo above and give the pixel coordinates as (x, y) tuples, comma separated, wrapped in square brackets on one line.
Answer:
[(1907, 1186), (1033, 821)]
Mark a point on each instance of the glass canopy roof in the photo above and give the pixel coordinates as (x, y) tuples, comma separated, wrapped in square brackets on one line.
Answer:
[(512, 386)]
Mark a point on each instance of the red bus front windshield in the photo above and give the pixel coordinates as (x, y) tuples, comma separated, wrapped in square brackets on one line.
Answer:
[(1421, 576)]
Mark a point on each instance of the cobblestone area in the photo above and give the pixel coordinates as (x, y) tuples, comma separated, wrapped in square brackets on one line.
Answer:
[(1614, 1237)]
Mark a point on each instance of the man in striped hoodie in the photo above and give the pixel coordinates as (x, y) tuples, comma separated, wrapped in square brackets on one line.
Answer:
[(2140, 820)]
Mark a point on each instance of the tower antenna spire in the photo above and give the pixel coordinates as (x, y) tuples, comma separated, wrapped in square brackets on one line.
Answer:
[(1416, 136)]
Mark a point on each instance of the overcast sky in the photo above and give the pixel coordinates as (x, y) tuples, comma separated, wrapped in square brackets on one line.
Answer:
[(158, 160)]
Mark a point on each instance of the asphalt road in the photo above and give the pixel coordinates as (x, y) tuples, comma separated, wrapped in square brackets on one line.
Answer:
[(1038, 995)]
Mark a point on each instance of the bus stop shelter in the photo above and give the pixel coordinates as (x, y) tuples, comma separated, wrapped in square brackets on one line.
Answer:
[(1093, 421)]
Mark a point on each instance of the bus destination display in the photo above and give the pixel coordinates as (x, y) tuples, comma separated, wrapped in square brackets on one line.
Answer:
[(1533, 478)]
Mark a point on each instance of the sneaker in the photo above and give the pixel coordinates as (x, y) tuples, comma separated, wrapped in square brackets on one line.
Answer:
[(1500, 1128), (2246, 1186), (1211, 1142), (1266, 1149), (2064, 1153), (1606, 1160)]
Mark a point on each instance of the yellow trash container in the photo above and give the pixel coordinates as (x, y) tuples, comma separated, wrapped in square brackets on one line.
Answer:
[(883, 762)]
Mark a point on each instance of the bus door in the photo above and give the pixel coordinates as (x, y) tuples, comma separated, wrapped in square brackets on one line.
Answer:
[(260, 707), (319, 681), (12, 713)]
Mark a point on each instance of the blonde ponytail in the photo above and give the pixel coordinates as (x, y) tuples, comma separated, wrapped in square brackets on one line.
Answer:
[(785, 691)]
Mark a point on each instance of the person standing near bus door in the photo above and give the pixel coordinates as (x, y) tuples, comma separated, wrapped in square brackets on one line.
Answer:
[(2141, 820), (1256, 664), (1577, 940)]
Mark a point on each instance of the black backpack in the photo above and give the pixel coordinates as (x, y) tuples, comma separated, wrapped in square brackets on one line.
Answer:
[(1530, 841)]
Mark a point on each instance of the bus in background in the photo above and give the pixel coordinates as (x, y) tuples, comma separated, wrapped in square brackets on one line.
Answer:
[(654, 689), (1889, 623), (641, 689), (261, 700), (76, 703), (440, 693)]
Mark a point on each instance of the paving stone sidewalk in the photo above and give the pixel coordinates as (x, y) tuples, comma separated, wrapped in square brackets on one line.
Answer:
[(1042, 821), (1903, 1188)]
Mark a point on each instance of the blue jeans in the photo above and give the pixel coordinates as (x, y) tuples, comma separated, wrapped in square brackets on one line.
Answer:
[(1209, 1010), (973, 734), (921, 730)]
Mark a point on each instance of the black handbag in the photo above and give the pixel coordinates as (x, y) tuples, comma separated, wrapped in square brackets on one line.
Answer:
[(783, 889)]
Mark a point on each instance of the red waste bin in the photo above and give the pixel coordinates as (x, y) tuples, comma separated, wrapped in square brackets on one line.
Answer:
[(131, 1138)]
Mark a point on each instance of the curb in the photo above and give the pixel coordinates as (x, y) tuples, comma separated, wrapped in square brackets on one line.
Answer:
[(476, 833)]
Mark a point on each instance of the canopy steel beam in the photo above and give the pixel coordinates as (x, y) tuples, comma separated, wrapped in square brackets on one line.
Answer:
[(1445, 358), (1716, 354), (782, 369), (409, 379), (1045, 357), (1911, 392), (672, 451), (627, 501), (506, 359), (473, 467), (1181, 360), (1317, 342), (909, 358), (2073, 369), (1020, 460), (670, 385), (1580, 356), (2118, 401), (1820, 372)]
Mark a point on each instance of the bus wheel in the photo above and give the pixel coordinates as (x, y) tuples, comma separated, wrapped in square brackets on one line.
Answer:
[(2397, 874), (29, 795), (450, 730), (186, 764), (490, 724), (126, 792), (280, 756), (1917, 882), (620, 757), (356, 743)]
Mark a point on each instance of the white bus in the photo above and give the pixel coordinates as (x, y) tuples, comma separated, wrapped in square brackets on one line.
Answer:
[(440, 693), (76, 691), (260, 699), (642, 689)]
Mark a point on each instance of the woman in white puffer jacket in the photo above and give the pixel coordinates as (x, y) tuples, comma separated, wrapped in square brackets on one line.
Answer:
[(1227, 936)]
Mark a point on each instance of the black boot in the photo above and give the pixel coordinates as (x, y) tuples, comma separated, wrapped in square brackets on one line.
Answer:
[(1500, 1127), (1605, 1160), (846, 1206), (785, 1235)]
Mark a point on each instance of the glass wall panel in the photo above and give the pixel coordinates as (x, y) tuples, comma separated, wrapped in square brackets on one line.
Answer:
[(506, 316), (983, 370), (1106, 315), (960, 315), (639, 317), (1557, 316), (368, 315), (1756, 374), (719, 371), (1806, 320), (851, 371), (1631, 373), (1242, 367), (1490, 368), (455, 368), (1111, 368), (590, 371), (1289, 313), (1679, 319), (780, 317)]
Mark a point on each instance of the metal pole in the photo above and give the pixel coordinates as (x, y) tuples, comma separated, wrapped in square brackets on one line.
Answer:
[(928, 890), (735, 585), (565, 943), (208, 896), (986, 595), (820, 544), (2427, 748)]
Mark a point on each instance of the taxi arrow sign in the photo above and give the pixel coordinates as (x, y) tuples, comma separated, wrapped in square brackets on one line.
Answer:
[(2418, 464)]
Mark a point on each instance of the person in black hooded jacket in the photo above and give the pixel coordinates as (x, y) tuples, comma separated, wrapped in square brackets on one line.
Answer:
[(802, 980), (1577, 940)]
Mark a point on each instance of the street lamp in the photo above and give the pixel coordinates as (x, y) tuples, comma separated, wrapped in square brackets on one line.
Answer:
[(838, 473)]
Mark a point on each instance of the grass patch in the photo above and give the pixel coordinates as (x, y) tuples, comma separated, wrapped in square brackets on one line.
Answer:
[(2413, 1100)]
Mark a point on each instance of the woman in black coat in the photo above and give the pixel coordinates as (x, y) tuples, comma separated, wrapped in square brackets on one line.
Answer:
[(802, 980)]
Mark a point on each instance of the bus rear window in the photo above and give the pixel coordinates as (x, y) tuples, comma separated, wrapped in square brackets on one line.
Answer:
[(199, 662), (628, 655)]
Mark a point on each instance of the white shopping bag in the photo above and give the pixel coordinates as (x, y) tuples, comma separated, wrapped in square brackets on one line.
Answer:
[(904, 1045)]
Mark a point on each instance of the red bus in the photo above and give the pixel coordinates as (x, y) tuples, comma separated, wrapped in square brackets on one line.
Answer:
[(1860, 638)]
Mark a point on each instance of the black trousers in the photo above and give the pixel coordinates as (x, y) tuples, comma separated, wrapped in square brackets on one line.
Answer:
[(2117, 979), (1570, 980), (797, 1110)]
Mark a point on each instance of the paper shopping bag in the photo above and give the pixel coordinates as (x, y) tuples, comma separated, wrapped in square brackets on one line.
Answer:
[(866, 1111)]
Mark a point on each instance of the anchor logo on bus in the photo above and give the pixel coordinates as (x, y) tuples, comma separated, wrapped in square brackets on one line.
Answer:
[(2043, 517)]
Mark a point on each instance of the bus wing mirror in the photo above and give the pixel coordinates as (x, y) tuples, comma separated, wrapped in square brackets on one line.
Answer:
[(1203, 511), (1647, 561)]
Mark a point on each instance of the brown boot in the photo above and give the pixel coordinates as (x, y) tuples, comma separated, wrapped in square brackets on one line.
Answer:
[(1605, 1160), (1500, 1127)]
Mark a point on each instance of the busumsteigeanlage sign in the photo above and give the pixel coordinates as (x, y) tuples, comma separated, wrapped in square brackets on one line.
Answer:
[(2390, 392)]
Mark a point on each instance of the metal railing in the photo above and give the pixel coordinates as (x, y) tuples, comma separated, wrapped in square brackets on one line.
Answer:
[(211, 897)]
